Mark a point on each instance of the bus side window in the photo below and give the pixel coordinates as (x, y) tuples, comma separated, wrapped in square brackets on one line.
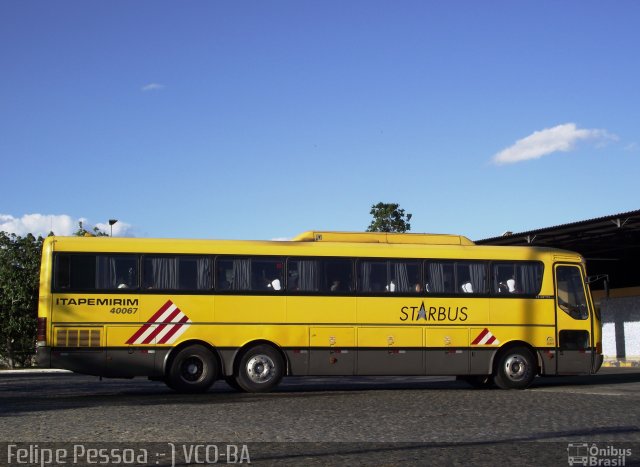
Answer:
[(471, 277), (389, 276), (75, 272), (518, 277), (183, 272), (404, 276), (160, 272), (440, 277), (303, 275), (116, 272), (372, 277), (62, 272), (503, 278), (194, 273), (337, 276), (233, 274), (267, 275)]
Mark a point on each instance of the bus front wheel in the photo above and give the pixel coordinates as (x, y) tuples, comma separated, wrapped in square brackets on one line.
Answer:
[(260, 369), (516, 369), (193, 369)]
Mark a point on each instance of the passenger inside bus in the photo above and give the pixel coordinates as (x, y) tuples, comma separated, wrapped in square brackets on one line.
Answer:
[(292, 283), (508, 286)]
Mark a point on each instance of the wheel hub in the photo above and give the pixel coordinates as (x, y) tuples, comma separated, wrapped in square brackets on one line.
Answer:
[(260, 368), (515, 368), (192, 369)]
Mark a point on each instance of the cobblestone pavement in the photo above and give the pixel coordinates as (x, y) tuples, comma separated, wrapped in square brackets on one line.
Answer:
[(333, 421)]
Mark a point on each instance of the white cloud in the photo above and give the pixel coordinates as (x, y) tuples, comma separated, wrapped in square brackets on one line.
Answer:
[(61, 224), (38, 224), (561, 138), (153, 87)]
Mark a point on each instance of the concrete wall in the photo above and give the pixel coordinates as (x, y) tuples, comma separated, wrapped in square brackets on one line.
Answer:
[(620, 327)]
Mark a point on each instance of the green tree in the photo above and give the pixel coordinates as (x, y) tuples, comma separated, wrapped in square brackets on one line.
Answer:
[(82, 232), (388, 217), (19, 281)]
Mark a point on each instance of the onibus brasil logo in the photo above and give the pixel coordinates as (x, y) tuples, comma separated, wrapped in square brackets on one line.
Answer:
[(593, 455)]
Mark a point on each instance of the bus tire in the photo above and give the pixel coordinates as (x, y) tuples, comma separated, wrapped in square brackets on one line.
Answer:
[(516, 369), (477, 381), (193, 369), (260, 369), (231, 381)]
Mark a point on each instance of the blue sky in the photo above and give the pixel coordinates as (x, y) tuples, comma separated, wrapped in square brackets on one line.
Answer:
[(263, 119)]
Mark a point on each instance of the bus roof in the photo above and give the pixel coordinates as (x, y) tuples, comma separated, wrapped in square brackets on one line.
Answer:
[(383, 237), (315, 244)]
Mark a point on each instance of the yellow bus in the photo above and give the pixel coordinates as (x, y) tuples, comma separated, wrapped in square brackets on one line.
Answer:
[(190, 312)]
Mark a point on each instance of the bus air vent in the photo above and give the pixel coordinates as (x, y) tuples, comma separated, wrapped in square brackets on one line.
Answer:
[(77, 337)]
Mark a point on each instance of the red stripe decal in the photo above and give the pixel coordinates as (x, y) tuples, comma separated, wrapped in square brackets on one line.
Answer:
[(138, 333), (491, 340), (480, 337), (158, 313), (176, 326), (161, 326), (144, 327)]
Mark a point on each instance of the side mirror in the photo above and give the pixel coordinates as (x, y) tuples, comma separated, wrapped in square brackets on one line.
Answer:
[(605, 280)]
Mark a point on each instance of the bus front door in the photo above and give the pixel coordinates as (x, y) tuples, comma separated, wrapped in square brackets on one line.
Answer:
[(573, 322)]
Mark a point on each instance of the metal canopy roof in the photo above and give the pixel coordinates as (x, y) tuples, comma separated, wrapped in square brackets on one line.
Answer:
[(598, 233), (611, 244)]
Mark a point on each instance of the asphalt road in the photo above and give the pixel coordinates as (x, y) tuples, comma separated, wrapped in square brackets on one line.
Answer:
[(328, 421)]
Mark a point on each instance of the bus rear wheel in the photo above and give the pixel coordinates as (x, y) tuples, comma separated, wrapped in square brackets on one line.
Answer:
[(260, 369), (516, 369), (477, 381), (233, 384), (193, 369)]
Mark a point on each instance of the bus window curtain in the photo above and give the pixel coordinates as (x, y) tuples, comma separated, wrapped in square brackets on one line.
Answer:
[(401, 277), (106, 273), (477, 274), (365, 277), (165, 273), (528, 278), (203, 266), (241, 274), (309, 277), (436, 278)]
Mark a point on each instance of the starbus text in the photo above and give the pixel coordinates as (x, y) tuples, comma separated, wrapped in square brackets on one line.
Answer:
[(432, 313)]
